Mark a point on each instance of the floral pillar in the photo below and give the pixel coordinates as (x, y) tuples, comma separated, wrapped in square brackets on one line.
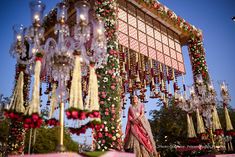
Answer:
[(16, 129), (197, 56), (109, 136)]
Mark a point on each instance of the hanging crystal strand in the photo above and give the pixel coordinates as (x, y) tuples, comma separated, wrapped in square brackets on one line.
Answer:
[(17, 101), (34, 105), (137, 81), (122, 55), (176, 96), (48, 100), (191, 130), (152, 84), (184, 87), (75, 100), (40, 89), (162, 78), (168, 82), (53, 101)]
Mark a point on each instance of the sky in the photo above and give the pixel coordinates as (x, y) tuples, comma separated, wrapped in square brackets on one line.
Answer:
[(212, 17)]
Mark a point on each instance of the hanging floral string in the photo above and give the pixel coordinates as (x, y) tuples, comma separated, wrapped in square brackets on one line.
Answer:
[(75, 110), (17, 108), (53, 101), (32, 115), (93, 100)]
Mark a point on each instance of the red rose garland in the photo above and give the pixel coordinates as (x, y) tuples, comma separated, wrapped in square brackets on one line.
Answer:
[(33, 121), (52, 122)]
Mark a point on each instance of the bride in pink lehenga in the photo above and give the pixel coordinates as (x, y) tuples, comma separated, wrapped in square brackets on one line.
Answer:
[(139, 136)]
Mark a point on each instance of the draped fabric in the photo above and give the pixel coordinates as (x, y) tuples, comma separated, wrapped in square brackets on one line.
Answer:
[(138, 133)]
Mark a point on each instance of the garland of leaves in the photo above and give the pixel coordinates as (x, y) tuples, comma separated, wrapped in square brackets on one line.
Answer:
[(109, 82)]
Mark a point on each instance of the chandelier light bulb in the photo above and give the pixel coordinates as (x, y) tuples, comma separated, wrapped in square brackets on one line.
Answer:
[(223, 87), (19, 38), (82, 17), (34, 50), (99, 31), (81, 59), (36, 17)]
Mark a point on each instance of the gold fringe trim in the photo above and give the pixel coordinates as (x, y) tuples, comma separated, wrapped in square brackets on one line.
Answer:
[(215, 119), (191, 130), (200, 124), (17, 101), (229, 125), (76, 86)]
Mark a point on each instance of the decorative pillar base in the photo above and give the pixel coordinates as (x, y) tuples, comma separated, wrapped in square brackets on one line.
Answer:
[(60, 148)]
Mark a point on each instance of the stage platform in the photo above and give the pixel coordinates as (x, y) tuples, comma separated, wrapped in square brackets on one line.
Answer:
[(67, 154), (219, 155)]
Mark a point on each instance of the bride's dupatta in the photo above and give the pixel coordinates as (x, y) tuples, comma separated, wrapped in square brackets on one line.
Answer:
[(137, 127)]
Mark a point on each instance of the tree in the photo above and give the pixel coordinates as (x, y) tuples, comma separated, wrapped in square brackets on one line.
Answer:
[(4, 124), (47, 141), (169, 125)]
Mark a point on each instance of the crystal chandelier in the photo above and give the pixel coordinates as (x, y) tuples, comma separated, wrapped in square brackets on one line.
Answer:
[(202, 100), (73, 52)]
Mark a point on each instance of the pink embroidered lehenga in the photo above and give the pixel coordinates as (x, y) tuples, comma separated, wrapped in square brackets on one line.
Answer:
[(139, 136)]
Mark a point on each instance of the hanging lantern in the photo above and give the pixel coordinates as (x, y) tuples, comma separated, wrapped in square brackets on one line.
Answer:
[(37, 8)]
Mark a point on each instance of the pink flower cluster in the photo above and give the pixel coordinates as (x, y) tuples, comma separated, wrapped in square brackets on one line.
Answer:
[(83, 128), (33, 121), (218, 132), (52, 122), (13, 115), (230, 133), (76, 114)]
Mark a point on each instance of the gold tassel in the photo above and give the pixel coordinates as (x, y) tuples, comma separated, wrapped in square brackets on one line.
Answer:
[(229, 125), (93, 100), (75, 99), (215, 119), (34, 105), (17, 101), (191, 130), (53, 101), (200, 124)]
